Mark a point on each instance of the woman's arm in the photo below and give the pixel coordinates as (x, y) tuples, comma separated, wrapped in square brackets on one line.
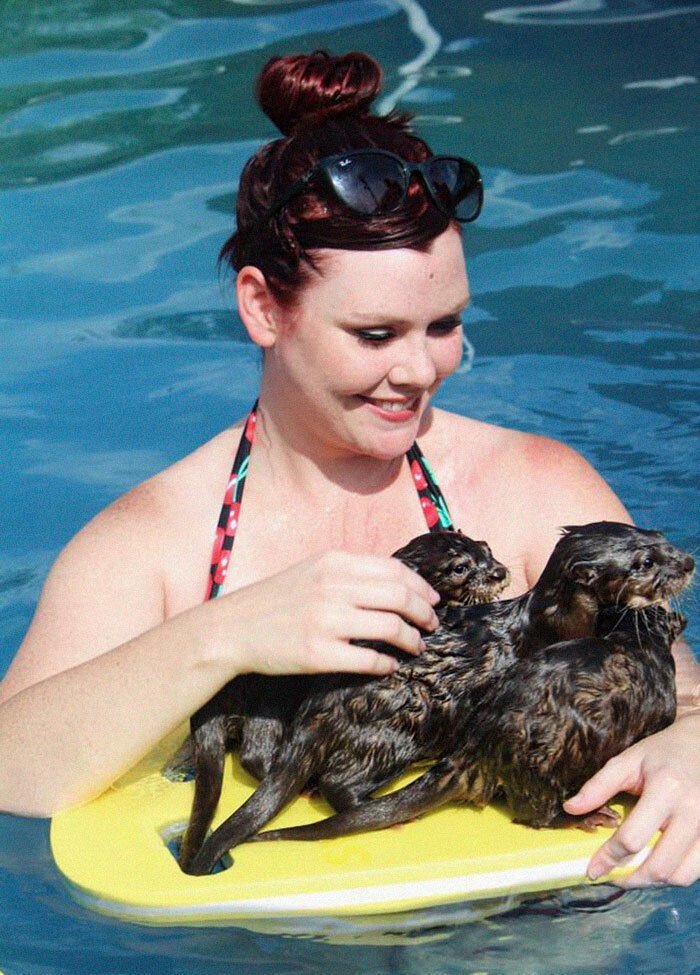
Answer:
[(101, 676)]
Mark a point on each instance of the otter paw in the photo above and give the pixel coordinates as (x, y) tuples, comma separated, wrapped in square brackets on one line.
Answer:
[(605, 816)]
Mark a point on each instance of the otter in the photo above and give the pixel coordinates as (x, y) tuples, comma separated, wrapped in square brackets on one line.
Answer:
[(252, 712), (546, 726), (356, 735)]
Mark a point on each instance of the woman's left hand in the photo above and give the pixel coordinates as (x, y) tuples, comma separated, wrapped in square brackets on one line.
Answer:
[(664, 771)]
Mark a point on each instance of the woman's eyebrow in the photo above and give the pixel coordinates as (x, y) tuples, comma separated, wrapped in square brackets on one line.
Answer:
[(377, 320), (370, 318)]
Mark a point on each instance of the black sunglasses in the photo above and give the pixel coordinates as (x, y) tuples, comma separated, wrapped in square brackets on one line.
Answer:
[(373, 182)]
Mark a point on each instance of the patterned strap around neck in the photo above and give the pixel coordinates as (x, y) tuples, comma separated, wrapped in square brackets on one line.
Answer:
[(432, 502)]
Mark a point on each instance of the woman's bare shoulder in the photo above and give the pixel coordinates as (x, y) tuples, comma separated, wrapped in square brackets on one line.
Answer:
[(521, 487), (128, 568), (175, 493), (536, 466)]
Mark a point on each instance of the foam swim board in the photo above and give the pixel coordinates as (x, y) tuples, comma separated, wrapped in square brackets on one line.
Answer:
[(117, 854)]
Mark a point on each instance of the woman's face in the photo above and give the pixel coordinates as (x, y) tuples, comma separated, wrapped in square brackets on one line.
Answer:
[(371, 338)]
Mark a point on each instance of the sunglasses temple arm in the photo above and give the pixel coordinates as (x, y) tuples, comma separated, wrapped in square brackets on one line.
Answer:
[(291, 192)]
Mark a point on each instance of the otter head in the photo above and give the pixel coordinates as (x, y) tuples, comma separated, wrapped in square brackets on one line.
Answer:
[(621, 565), (463, 571)]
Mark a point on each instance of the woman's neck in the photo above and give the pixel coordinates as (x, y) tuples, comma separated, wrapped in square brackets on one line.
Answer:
[(299, 455)]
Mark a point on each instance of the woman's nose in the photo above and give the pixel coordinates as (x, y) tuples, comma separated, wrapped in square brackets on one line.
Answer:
[(415, 367)]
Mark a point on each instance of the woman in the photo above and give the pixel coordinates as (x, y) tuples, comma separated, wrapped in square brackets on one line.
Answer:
[(351, 279)]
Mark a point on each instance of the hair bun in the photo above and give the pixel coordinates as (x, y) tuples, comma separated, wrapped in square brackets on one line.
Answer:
[(308, 88)]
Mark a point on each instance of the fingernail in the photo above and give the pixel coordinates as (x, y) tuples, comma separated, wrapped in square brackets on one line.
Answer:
[(434, 596), (595, 872)]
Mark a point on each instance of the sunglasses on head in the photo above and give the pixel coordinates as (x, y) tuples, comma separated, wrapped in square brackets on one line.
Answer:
[(374, 182)]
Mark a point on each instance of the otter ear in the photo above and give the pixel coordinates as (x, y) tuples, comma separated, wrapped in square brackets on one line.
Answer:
[(256, 306), (585, 575)]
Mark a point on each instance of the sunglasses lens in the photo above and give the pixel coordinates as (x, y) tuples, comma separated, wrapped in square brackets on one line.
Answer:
[(368, 183), (457, 185)]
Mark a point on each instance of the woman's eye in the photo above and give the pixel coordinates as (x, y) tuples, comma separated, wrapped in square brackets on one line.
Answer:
[(445, 326), (374, 336)]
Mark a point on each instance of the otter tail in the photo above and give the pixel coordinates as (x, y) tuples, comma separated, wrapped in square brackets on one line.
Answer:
[(293, 767), (434, 788), (209, 753)]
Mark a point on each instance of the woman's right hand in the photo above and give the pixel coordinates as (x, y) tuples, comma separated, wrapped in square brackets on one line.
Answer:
[(301, 620)]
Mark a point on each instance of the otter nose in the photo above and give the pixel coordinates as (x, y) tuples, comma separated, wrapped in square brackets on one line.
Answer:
[(688, 563), (499, 573)]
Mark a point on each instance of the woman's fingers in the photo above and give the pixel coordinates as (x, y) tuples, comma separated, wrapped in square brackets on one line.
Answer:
[(668, 856), (395, 599), (629, 839), (289, 622), (345, 658), (620, 774), (687, 872), (385, 627)]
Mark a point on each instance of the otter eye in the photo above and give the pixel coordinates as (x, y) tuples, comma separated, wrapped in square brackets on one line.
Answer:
[(648, 562), (460, 569)]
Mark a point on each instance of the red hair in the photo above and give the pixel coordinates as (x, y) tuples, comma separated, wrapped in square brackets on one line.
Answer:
[(321, 105)]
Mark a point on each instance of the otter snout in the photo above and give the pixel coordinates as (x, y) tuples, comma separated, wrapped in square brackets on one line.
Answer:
[(688, 565), (499, 574), (678, 573), (490, 581)]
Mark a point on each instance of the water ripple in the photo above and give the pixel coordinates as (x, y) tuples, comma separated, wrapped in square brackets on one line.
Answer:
[(588, 249), (513, 199), (169, 210), (53, 112), (663, 84), (116, 470), (574, 12), (170, 42)]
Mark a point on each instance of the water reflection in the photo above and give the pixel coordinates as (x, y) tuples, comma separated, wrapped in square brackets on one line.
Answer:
[(153, 40), (581, 12)]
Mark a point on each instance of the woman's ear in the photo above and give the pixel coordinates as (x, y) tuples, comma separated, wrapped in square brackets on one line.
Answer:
[(256, 306)]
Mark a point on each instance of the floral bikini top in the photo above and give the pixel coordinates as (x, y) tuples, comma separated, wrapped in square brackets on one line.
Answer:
[(431, 500)]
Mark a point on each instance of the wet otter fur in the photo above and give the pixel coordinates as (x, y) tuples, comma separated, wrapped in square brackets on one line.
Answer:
[(252, 712), (355, 736), (545, 727)]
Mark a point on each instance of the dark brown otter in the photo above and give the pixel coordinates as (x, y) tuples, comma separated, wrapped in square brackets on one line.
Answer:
[(252, 712), (543, 729), (357, 734)]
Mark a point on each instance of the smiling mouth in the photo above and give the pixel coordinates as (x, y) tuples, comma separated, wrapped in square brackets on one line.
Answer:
[(393, 406)]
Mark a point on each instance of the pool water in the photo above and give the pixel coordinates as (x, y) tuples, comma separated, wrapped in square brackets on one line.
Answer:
[(123, 130)]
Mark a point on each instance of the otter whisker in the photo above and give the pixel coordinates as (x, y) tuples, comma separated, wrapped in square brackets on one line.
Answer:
[(625, 612), (636, 630), (620, 594)]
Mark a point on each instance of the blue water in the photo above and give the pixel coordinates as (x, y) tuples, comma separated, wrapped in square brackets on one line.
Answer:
[(123, 129)]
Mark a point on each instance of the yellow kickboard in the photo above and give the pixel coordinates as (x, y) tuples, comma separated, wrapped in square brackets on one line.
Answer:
[(114, 853)]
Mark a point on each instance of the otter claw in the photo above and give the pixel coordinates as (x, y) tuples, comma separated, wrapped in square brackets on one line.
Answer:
[(605, 816)]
